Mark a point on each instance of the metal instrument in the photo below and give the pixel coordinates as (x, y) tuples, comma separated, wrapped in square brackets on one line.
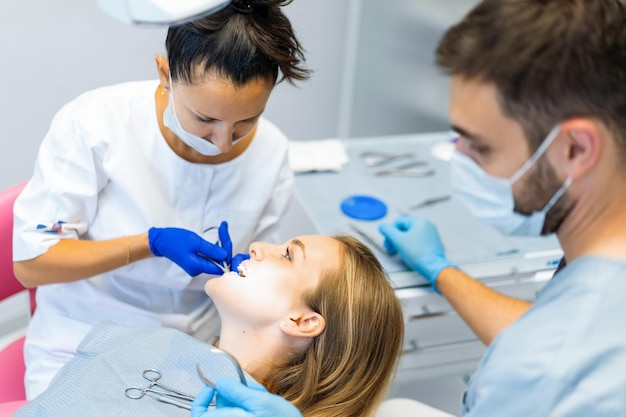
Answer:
[(377, 158), (224, 266), (165, 394), (368, 238), (159, 391), (412, 169), (231, 359), (429, 202)]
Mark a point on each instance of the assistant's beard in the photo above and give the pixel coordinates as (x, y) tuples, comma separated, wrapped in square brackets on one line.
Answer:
[(542, 184)]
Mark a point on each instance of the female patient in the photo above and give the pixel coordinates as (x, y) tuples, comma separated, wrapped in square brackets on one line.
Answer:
[(314, 320)]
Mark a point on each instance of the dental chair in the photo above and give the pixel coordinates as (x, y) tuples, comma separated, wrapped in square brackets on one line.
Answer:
[(12, 393)]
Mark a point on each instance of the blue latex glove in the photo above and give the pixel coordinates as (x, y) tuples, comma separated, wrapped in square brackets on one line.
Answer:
[(188, 250), (236, 400), (237, 259), (227, 244), (417, 242)]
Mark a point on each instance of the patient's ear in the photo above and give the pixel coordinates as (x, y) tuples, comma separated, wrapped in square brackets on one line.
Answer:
[(310, 324)]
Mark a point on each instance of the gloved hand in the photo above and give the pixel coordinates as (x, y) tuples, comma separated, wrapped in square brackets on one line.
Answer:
[(237, 259), (236, 400), (188, 250), (417, 242), (227, 244)]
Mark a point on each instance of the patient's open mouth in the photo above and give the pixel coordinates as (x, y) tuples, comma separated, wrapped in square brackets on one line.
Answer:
[(242, 271)]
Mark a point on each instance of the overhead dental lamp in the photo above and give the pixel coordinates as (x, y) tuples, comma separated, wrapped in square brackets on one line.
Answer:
[(160, 12)]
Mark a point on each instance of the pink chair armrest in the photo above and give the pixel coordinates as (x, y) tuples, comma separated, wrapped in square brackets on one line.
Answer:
[(7, 409), (13, 369)]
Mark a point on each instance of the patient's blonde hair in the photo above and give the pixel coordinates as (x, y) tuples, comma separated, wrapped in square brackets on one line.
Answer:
[(346, 370)]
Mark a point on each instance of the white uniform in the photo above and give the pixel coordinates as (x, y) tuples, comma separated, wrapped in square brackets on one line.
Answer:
[(104, 171)]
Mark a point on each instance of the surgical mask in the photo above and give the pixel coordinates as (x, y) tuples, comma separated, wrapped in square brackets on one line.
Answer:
[(490, 198), (171, 121)]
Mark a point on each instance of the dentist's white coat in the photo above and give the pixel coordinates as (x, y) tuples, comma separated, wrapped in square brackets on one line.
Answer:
[(105, 169)]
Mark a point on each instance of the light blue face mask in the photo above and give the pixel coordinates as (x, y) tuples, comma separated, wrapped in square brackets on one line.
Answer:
[(490, 198), (171, 121)]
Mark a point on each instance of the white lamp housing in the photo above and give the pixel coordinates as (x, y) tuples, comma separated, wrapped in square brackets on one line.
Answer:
[(159, 12)]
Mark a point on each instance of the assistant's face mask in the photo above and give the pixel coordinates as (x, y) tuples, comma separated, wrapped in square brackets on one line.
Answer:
[(490, 198), (171, 121)]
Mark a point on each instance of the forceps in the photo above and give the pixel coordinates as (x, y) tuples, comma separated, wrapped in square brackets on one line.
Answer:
[(158, 391)]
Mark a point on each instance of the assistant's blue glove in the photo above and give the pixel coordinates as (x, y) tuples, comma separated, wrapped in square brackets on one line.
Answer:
[(200, 404), (188, 250), (417, 242), (236, 400)]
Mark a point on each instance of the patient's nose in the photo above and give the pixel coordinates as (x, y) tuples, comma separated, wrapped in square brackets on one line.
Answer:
[(256, 250)]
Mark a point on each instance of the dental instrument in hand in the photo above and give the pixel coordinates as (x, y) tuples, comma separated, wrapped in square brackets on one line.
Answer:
[(231, 359), (182, 247), (368, 239), (224, 266)]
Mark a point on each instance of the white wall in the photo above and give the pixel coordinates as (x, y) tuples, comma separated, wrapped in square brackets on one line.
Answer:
[(52, 51), (397, 88), (311, 110), (50, 57), (372, 62)]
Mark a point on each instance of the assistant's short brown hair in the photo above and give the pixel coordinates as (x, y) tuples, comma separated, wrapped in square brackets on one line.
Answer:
[(550, 60)]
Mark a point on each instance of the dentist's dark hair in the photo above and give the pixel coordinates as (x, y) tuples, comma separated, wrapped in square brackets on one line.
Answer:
[(241, 45), (549, 60)]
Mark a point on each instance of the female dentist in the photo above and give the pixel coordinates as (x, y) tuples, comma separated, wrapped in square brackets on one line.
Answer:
[(145, 171)]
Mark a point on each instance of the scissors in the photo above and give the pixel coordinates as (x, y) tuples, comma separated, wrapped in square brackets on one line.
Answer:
[(158, 391)]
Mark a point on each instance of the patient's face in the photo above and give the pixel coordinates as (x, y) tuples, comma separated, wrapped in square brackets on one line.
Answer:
[(274, 278)]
